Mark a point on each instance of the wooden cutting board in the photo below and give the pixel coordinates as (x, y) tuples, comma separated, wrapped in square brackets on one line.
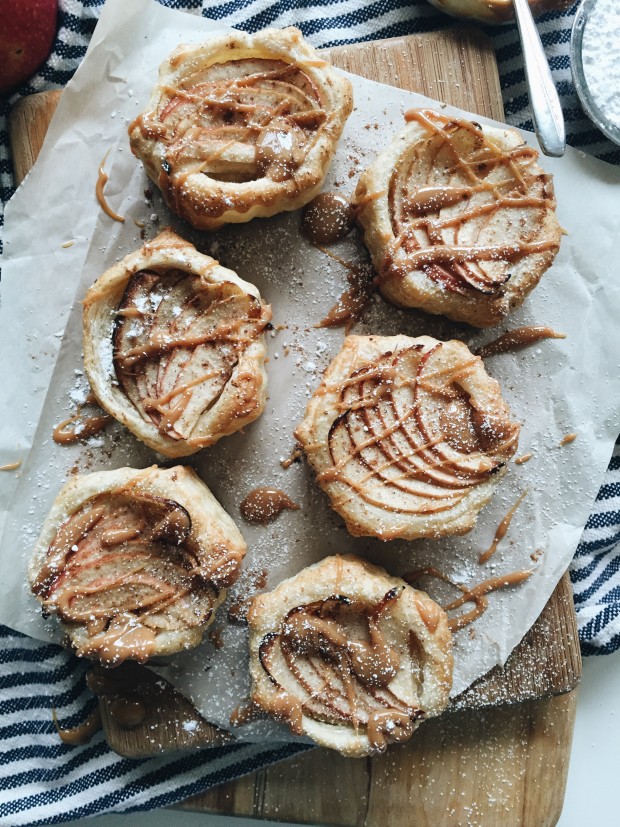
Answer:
[(499, 757)]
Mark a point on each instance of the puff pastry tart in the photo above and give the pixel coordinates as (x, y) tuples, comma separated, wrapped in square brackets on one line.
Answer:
[(174, 346), (459, 218), (408, 437), (135, 562), (241, 126), (349, 656)]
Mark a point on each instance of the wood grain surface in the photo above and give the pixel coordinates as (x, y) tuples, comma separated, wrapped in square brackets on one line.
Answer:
[(480, 763), (497, 767)]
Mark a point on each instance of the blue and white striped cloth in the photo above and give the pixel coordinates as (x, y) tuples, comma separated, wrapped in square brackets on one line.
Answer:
[(43, 781)]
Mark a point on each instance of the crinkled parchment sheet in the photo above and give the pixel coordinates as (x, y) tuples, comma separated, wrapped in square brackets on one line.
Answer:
[(556, 387)]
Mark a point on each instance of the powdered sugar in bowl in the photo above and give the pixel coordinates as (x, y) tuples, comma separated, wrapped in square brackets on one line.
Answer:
[(594, 59)]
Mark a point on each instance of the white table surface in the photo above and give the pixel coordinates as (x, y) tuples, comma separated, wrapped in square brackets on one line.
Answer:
[(592, 795)]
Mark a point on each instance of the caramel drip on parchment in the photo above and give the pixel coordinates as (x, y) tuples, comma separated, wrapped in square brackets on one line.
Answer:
[(567, 439), (245, 713), (78, 427), (342, 679), (102, 180), (502, 528), (327, 218), (265, 504), (351, 305), (427, 238), (518, 338), (295, 455), (470, 594), (382, 443), (11, 466)]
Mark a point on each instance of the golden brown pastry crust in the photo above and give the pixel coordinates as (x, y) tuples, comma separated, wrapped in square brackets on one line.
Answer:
[(271, 111), (459, 219), (408, 437), (179, 399), (349, 656), (135, 562)]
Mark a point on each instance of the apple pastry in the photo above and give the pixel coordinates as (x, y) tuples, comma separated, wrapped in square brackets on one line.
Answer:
[(135, 562), (459, 218), (408, 437), (241, 126), (174, 346), (349, 656)]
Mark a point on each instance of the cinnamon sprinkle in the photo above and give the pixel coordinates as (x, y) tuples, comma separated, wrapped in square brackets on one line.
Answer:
[(517, 339)]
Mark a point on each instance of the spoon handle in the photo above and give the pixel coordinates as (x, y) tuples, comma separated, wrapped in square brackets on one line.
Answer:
[(546, 110)]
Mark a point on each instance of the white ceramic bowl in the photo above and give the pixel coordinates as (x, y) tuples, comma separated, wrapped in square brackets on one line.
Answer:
[(590, 107)]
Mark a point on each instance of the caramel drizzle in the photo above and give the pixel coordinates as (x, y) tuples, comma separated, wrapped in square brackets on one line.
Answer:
[(502, 528), (419, 229), (159, 345), (518, 338), (82, 733), (469, 594), (351, 305), (398, 449), (295, 456), (125, 566), (11, 466), (268, 119), (523, 459), (78, 427), (173, 363), (102, 180), (567, 439), (265, 504), (342, 680)]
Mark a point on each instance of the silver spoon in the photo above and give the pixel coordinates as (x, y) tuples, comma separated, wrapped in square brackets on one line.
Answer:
[(546, 110)]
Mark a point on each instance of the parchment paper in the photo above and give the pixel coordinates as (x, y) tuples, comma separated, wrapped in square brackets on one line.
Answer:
[(556, 387)]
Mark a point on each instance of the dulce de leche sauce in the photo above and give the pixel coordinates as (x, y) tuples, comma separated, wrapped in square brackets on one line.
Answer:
[(265, 504), (327, 218), (517, 339)]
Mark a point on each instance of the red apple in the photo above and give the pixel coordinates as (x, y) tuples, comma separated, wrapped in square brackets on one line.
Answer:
[(27, 30)]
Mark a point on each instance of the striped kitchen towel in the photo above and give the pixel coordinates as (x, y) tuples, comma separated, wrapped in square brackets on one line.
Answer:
[(43, 781)]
